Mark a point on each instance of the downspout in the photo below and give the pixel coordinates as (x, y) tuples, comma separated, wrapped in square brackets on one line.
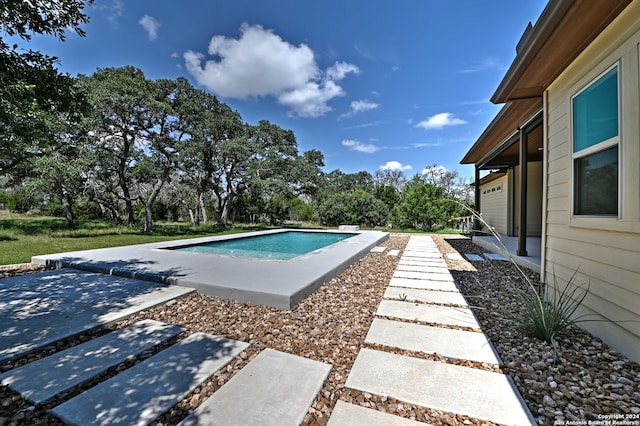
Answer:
[(545, 183)]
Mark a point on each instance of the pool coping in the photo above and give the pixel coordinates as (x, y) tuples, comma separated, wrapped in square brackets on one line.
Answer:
[(282, 283)]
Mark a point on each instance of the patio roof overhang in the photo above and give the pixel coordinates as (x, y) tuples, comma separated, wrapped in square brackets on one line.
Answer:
[(515, 136), (565, 28), (497, 147)]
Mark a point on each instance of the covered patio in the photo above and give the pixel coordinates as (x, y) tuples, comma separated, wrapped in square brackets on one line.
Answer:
[(531, 261), (511, 142)]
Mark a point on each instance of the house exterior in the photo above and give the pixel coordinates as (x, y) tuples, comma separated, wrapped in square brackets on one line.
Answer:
[(566, 144)]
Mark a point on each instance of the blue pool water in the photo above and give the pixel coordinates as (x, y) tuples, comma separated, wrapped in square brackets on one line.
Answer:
[(279, 246)]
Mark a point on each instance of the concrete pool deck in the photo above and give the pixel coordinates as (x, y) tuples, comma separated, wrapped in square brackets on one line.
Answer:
[(277, 283)]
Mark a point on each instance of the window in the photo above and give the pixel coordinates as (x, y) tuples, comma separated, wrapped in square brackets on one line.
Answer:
[(596, 136)]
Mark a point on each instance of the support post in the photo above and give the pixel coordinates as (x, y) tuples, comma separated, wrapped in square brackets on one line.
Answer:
[(476, 222), (522, 183)]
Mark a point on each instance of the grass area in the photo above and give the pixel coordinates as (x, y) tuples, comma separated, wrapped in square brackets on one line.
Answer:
[(24, 236)]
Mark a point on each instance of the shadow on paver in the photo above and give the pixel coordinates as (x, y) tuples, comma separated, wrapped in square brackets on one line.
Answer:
[(147, 390), (39, 309)]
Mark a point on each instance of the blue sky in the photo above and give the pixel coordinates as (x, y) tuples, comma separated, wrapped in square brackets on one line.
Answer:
[(370, 84)]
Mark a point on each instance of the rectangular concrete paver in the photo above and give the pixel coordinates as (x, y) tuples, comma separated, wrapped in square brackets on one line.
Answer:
[(393, 252), (43, 379), (422, 275), (422, 254), (274, 389), (474, 257), (39, 309), (147, 390), (454, 256), (426, 296), (345, 414), (445, 285), (432, 261), (378, 249), (451, 343), (437, 269), (446, 315), (476, 393), (495, 256)]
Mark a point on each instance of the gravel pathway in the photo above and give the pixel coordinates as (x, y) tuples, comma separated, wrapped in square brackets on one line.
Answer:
[(585, 381)]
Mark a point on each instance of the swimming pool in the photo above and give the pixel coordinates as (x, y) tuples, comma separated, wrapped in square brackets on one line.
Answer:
[(263, 281), (281, 246)]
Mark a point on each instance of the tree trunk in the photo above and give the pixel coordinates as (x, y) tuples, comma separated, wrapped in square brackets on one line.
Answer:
[(224, 212), (148, 218), (203, 208), (68, 207), (195, 219), (148, 205)]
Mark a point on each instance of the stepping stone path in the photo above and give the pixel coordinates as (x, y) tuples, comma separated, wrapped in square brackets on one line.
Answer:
[(275, 388), (41, 380), (474, 257), (39, 309), (423, 311), (345, 414), (147, 390)]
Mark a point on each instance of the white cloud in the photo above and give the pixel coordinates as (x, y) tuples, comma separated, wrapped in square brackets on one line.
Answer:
[(150, 25), (261, 63), (484, 64), (364, 105), (440, 121), (434, 170), (358, 107), (112, 10), (355, 145), (395, 165)]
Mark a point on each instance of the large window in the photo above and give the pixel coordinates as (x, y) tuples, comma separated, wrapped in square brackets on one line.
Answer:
[(596, 137)]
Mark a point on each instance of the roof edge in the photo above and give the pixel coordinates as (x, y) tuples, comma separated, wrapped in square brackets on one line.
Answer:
[(544, 27)]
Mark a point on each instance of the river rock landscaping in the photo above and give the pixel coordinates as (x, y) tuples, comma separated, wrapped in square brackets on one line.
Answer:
[(585, 380)]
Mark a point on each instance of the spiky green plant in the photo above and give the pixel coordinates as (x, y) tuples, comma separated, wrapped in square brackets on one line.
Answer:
[(548, 315), (546, 312)]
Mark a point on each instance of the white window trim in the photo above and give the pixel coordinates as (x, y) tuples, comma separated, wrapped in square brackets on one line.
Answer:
[(601, 146)]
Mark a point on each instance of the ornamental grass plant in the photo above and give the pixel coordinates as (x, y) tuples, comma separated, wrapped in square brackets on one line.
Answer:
[(547, 309)]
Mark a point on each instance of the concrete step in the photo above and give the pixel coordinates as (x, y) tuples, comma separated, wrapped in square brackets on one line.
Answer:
[(462, 317), (475, 393), (147, 390), (275, 388), (451, 343), (426, 296), (41, 380), (345, 414)]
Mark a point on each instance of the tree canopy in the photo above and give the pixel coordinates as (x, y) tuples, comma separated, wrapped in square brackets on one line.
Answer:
[(117, 145), (36, 101)]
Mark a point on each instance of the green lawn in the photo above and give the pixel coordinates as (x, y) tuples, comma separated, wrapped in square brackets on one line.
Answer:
[(23, 236)]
